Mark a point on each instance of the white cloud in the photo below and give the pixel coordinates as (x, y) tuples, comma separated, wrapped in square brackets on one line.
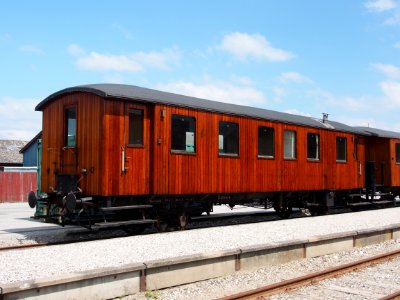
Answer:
[(122, 30), (294, 111), (134, 62), (217, 90), (389, 7), (158, 60), (380, 5), (75, 50), (242, 80), (279, 93), (326, 99), (390, 87), (293, 77), (244, 45), (393, 20), (104, 62), (391, 90), (390, 71), (31, 49), (19, 121), (397, 45)]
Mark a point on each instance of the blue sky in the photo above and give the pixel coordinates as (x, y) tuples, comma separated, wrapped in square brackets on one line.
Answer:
[(305, 57)]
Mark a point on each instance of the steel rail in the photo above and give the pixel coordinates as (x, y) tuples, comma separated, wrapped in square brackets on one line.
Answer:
[(395, 295), (313, 278), (23, 246)]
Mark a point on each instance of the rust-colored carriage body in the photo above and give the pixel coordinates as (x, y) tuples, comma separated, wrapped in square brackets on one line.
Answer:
[(106, 164)]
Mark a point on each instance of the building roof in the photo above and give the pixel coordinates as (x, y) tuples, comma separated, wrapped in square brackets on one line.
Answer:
[(380, 132), (36, 137), (131, 92), (9, 152)]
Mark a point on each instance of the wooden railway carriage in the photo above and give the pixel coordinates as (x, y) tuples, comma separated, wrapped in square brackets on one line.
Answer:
[(122, 149), (383, 153)]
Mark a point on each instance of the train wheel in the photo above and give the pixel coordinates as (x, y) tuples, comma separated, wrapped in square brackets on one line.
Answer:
[(183, 220), (134, 229), (313, 211), (284, 212), (161, 225)]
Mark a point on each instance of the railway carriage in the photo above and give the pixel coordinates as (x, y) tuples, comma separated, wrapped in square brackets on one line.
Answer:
[(130, 156), (383, 161)]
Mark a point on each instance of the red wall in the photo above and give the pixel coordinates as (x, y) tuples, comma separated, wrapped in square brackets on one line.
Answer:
[(15, 186)]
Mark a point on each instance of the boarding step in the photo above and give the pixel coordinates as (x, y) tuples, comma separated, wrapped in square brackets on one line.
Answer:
[(113, 208), (125, 223), (359, 204), (356, 195), (85, 199), (383, 202), (375, 195), (370, 203)]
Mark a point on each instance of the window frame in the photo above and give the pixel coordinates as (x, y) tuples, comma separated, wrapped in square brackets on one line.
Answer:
[(345, 149), (294, 157), (223, 154), (397, 153), (66, 109), (179, 151), (129, 144), (271, 129), (318, 148)]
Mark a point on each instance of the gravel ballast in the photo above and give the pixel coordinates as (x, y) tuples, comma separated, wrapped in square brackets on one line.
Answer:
[(48, 262)]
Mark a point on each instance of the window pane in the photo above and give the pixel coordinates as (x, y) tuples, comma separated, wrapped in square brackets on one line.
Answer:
[(289, 144), (228, 138), (70, 135), (135, 126), (398, 153), (341, 149), (266, 141), (183, 130), (313, 146)]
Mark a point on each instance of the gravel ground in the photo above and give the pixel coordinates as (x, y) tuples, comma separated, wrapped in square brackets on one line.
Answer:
[(242, 281), (18, 228), (48, 262)]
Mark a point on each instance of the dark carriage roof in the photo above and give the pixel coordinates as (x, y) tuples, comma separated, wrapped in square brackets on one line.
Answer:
[(131, 92), (379, 132)]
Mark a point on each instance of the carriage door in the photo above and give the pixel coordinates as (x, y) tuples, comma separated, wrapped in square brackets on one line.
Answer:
[(135, 150)]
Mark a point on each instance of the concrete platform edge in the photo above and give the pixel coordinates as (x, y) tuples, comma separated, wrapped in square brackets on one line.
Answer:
[(150, 275)]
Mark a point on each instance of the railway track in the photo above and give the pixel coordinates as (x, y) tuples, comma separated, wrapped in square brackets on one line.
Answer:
[(83, 235), (288, 286)]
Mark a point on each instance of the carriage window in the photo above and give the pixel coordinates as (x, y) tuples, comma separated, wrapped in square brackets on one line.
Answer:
[(183, 130), (313, 146), (135, 127), (289, 144), (70, 135), (228, 138), (341, 149), (265, 141), (398, 153)]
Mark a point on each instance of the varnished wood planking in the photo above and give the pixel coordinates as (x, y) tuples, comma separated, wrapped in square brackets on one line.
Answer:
[(56, 158), (382, 151), (208, 172), (158, 171), (379, 152), (395, 167), (135, 180)]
